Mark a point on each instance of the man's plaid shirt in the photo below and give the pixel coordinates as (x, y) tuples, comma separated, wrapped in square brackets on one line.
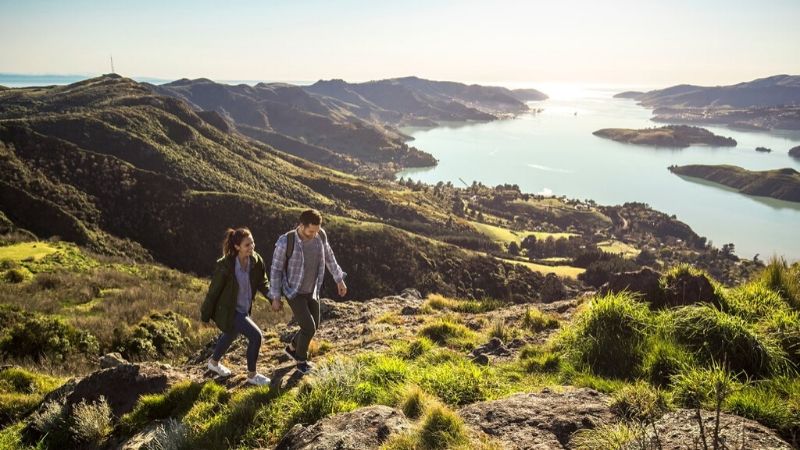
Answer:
[(290, 282)]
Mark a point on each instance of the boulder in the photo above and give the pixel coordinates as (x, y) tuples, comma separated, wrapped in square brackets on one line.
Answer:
[(113, 359), (544, 420), (644, 281), (364, 428)]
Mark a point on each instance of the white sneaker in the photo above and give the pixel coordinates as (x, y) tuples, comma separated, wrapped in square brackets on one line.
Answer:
[(219, 369), (259, 380)]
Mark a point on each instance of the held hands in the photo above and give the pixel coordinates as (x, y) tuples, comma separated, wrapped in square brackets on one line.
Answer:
[(342, 288), (277, 304)]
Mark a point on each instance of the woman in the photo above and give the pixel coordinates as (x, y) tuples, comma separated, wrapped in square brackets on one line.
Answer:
[(237, 276)]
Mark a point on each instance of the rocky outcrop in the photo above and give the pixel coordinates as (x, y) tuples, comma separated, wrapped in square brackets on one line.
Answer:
[(364, 428), (538, 421), (680, 429), (121, 386)]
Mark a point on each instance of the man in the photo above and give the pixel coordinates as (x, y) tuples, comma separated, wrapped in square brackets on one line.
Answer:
[(299, 276)]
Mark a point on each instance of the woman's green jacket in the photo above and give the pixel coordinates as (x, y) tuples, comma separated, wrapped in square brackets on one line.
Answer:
[(220, 302)]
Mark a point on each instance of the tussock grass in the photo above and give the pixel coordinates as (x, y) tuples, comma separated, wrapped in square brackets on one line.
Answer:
[(663, 360), (537, 321), (640, 402), (753, 301), (448, 332), (615, 436), (716, 336), (783, 279), (439, 302), (458, 382), (700, 387), (609, 336)]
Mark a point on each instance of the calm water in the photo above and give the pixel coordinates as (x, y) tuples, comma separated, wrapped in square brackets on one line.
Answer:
[(554, 152)]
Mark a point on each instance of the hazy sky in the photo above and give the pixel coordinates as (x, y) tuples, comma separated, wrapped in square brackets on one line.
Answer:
[(626, 42)]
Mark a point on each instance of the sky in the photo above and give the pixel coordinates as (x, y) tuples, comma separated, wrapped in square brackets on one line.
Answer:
[(519, 43)]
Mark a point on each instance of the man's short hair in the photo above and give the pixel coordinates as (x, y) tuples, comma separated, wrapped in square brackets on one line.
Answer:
[(310, 217)]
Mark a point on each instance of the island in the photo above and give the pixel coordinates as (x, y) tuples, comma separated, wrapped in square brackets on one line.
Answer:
[(794, 152), (763, 149), (671, 136), (781, 184)]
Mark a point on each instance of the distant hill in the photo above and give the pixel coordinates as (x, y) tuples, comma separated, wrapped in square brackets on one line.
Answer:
[(762, 104), (764, 92), (781, 184), (346, 125), (677, 136)]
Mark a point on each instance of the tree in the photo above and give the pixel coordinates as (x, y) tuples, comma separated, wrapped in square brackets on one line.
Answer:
[(513, 248)]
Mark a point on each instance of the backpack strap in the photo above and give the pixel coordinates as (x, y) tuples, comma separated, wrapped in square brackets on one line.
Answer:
[(290, 238), (324, 236)]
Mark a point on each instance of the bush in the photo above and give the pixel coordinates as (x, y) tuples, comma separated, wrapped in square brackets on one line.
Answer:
[(716, 336), (92, 422), (158, 335), (46, 337), (609, 337), (537, 321), (17, 275)]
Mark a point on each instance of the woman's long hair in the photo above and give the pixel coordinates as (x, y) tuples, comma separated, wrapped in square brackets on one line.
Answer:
[(232, 239)]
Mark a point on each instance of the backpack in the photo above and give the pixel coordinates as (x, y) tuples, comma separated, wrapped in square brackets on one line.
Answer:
[(290, 237)]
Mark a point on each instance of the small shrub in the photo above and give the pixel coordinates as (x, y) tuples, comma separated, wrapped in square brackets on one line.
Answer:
[(441, 428), (49, 418), (609, 337), (159, 335), (43, 336), (92, 422), (537, 321), (17, 275), (170, 435)]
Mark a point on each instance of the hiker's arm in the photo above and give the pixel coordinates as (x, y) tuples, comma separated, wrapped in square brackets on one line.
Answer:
[(214, 290), (333, 266), (276, 270)]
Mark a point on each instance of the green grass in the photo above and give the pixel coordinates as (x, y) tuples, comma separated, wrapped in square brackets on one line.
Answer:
[(32, 251), (440, 302), (537, 321), (609, 336), (618, 247), (716, 336), (561, 271), (174, 403), (21, 391), (446, 331)]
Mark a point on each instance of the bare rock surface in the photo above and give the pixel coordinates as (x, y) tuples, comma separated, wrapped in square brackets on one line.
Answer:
[(364, 428)]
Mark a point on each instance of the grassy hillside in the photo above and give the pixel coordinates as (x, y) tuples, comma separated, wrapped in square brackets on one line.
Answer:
[(741, 355)]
